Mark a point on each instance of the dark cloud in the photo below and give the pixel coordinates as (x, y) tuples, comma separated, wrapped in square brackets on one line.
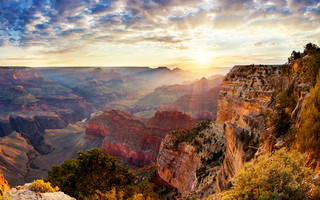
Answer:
[(165, 39), (71, 32), (235, 5), (301, 5), (102, 7)]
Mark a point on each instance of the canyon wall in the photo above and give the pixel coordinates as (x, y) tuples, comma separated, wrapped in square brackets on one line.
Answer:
[(245, 96), (189, 160), (135, 141)]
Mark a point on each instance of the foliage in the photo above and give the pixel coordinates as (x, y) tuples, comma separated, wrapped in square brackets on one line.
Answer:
[(188, 136), (94, 173), (250, 143), (308, 135), (285, 103), (5, 197), (281, 176), (286, 70), (310, 66), (142, 191), (41, 186)]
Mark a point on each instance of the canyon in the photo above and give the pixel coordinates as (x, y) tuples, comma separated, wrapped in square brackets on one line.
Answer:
[(52, 113), (176, 146), (245, 96), (133, 140)]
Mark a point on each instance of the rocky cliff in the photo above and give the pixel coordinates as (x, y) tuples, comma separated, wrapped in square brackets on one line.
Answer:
[(135, 141), (23, 192), (189, 160), (245, 96), (15, 154)]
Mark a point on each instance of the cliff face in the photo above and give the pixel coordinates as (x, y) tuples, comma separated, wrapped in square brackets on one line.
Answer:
[(245, 95), (135, 141), (15, 154), (189, 160)]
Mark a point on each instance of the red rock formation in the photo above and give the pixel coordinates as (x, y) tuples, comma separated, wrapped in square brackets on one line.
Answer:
[(245, 94), (133, 140), (179, 162), (177, 168)]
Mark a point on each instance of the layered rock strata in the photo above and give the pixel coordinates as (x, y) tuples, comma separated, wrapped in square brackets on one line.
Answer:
[(189, 160), (245, 96), (135, 141)]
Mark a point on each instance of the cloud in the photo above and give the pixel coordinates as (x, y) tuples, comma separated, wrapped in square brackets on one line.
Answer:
[(235, 5), (258, 44), (67, 26)]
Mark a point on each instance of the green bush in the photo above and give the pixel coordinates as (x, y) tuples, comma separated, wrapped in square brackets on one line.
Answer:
[(188, 136), (281, 176), (41, 186), (96, 175), (250, 143), (308, 135), (285, 103), (91, 172)]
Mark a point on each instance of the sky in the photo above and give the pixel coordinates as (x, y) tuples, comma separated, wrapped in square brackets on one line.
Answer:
[(190, 34)]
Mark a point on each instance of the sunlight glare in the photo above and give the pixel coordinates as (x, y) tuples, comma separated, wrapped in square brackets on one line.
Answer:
[(202, 58)]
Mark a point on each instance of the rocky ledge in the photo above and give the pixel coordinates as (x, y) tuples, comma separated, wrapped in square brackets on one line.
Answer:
[(23, 192)]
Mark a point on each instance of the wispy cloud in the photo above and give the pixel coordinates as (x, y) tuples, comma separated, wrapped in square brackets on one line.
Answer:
[(52, 27)]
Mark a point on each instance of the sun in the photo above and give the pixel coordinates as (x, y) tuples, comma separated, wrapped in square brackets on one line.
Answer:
[(202, 58)]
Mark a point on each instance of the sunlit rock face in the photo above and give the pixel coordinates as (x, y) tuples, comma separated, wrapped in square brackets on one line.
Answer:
[(16, 154), (245, 96), (190, 164), (135, 141)]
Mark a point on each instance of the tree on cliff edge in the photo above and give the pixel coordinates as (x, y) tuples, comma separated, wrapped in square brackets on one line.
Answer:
[(90, 173)]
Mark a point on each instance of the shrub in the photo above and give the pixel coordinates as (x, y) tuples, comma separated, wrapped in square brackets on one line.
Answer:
[(281, 176), (285, 103), (250, 143), (41, 186), (5, 197), (188, 136), (96, 175), (308, 135), (84, 176)]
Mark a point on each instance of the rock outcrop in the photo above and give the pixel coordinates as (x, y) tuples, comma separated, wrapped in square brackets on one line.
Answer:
[(245, 95), (189, 160), (15, 157), (135, 141), (23, 192)]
